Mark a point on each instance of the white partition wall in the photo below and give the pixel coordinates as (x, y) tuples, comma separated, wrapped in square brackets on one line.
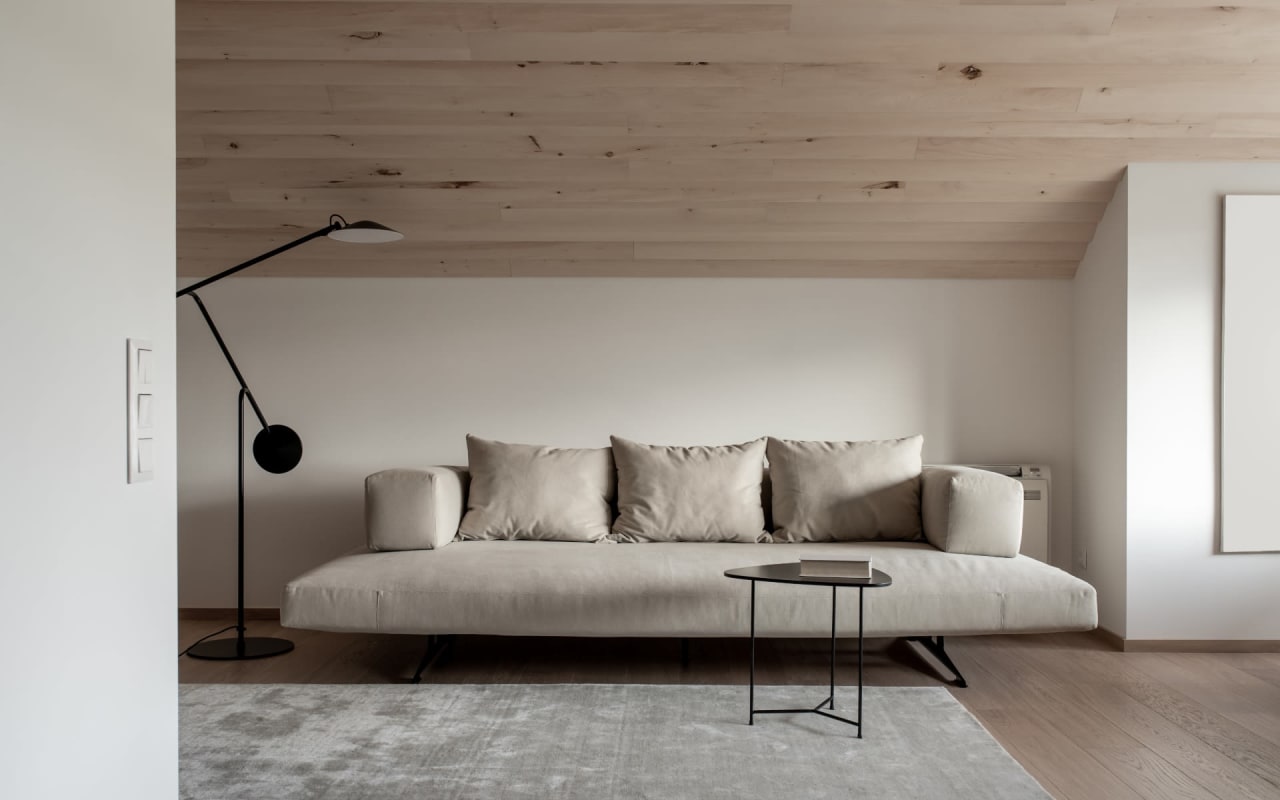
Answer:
[(1250, 373), (1180, 585), (88, 578)]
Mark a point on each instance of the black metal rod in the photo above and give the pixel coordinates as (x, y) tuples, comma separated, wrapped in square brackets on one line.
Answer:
[(861, 592), (938, 648), (437, 646), (325, 231), (818, 710), (217, 337), (751, 697), (833, 649), (240, 527)]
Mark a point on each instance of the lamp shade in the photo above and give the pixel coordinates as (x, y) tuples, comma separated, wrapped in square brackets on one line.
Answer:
[(365, 232), (277, 449)]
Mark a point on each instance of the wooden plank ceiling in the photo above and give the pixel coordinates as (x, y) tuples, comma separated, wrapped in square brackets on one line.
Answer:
[(910, 138)]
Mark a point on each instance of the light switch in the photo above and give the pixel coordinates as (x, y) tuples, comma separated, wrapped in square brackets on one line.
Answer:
[(144, 411), (146, 455), (144, 366)]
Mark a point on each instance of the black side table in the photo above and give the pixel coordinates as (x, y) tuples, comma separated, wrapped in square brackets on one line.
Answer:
[(790, 573)]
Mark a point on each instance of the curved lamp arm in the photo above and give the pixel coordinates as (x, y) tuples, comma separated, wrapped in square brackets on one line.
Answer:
[(277, 447)]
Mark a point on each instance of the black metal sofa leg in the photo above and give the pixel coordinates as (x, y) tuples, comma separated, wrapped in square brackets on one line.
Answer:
[(436, 647), (937, 646)]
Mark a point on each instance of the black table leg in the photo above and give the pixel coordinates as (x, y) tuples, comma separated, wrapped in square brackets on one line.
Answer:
[(828, 704), (860, 592), (831, 699), (751, 697)]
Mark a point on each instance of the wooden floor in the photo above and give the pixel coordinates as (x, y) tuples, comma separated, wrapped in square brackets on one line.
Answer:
[(1085, 720)]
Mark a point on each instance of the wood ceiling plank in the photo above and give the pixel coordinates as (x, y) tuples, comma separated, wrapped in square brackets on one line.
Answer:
[(922, 123), (237, 21), (428, 194), (822, 16), (1219, 19), (796, 269), (729, 99), (1196, 99), (256, 98), (452, 174), (1007, 192), (1068, 75), (323, 44), (304, 220), (365, 267), (1122, 150), (1246, 125), (447, 228), (473, 73), (1195, 47), (230, 247), (787, 213), (860, 251), (435, 267), (552, 146), (876, 171), (745, 123), (401, 123)]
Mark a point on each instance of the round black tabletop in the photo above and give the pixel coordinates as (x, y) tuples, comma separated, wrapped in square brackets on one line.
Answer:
[(790, 573)]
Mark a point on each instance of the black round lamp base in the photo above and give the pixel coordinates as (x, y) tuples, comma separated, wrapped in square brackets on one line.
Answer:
[(232, 649)]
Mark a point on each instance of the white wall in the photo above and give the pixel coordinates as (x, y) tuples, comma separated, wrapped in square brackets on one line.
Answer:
[(1100, 401), (88, 682), (1178, 587), (393, 372)]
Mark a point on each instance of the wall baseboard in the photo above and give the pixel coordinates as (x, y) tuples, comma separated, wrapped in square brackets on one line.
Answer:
[(1113, 640), (1202, 646), (228, 613), (1118, 642)]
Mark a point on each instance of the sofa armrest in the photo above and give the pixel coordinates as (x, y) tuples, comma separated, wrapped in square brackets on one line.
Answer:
[(972, 511), (413, 509)]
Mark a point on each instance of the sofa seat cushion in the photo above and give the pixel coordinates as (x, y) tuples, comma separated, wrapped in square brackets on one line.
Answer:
[(541, 588)]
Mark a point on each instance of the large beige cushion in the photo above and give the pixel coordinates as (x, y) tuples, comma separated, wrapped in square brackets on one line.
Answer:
[(844, 491), (523, 491), (972, 511), (413, 509), (689, 494)]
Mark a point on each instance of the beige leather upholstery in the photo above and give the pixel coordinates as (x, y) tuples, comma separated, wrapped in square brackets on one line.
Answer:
[(846, 491), (524, 491), (677, 589), (689, 494), (972, 511), (413, 509)]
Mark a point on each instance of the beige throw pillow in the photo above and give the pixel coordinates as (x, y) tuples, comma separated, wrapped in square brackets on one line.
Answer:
[(523, 491), (841, 491), (689, 494)]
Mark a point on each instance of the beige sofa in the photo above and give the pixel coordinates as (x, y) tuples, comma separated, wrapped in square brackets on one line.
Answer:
[(678, 589)]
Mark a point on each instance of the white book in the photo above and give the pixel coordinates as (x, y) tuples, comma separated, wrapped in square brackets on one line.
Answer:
[(835, 568)]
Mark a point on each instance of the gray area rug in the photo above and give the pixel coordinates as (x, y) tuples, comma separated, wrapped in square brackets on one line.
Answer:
[(593, 742)]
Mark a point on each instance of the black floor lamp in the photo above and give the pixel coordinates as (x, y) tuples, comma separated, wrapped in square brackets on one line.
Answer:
[(276, 448)]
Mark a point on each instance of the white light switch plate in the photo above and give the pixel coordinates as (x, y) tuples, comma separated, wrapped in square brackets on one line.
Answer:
[(141, 415)]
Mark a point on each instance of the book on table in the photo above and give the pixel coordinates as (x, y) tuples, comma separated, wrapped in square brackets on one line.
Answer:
[(835, 568)]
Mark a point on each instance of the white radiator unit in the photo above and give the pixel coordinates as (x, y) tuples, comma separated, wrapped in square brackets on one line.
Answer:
[(1035, 505)]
